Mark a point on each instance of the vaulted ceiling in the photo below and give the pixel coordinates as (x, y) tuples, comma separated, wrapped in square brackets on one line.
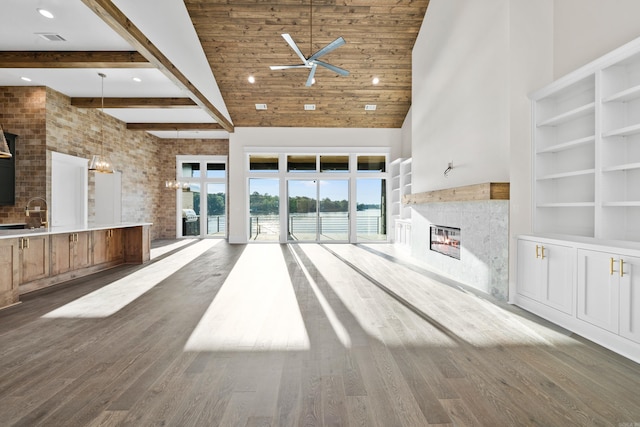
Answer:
[(243, 38), (196, 58)]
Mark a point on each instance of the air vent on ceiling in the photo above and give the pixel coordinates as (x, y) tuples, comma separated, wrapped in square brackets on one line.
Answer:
[(261, 106), (370, 107), (309, 107), (52, 37)]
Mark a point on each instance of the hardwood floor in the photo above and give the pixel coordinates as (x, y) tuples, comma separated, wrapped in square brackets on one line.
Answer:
[(291, 335)]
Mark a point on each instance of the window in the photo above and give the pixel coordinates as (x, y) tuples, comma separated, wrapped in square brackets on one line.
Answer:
[(375, 163), (263, 163)]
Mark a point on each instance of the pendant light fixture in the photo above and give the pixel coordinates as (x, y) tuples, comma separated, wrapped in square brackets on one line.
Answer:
[(99, 163), (5, 152)]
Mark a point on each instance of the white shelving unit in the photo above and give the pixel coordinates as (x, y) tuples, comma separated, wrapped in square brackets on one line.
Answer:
[(401, 186), (587, 150)]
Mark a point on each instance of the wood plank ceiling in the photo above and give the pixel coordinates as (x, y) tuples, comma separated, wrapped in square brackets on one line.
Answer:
[(243, 38)]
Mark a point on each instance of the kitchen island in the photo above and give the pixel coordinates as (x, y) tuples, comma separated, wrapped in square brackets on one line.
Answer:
[(32, 259)]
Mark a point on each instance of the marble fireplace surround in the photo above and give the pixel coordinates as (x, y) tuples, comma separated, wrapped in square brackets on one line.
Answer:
[(482, 213)]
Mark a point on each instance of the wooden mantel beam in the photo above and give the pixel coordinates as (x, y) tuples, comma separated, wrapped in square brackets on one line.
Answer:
[(174, 126), (134, 103), (73, 59), (467, 193), (119, 22)]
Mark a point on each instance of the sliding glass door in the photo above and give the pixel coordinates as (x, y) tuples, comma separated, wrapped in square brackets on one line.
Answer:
[(318, 210)]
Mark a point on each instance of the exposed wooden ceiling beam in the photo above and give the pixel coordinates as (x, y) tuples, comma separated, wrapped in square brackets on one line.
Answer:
[(174, 126), (73, 59), (114, 17), (134, 102)]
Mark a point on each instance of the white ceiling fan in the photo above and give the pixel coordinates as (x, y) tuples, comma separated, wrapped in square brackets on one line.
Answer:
[(312, 62)]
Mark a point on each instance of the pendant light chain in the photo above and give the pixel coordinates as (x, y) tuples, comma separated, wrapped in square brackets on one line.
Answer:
[(102, 76)]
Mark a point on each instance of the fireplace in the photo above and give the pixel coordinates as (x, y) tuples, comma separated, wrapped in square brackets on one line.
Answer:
[(445, 240)]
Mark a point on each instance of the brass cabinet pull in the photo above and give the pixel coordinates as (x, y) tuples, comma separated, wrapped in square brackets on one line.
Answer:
[(621, 268), (610, 266), (542, 252), (537, 254)]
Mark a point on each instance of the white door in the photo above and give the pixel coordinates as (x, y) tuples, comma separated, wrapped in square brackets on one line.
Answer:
[(108, 198), (598, 291), (629, 273), (69, 191)]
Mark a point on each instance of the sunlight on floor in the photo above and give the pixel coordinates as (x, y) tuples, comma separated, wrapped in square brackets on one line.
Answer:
[(111, 298), (256, 308), (158, 252)]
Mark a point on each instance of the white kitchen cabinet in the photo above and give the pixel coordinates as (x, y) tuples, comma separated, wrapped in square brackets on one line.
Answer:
[(545, 274)]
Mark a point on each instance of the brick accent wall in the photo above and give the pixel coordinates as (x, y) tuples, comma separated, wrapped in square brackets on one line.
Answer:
[(45, 121), (23, 112)]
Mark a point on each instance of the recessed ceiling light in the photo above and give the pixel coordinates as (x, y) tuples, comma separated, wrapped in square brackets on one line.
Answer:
[(261, 106), (45, 13), (309, 107), (251, 79), (26, 79), (313, 81), (137, 79), (370, 107), (375, 81)]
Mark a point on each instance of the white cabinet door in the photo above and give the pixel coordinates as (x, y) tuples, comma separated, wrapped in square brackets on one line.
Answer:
[(629, 276), (529, 271), (598, 290), (557, 277), (545, 274)]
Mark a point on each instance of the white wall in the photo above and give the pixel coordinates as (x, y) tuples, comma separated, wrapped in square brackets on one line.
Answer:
[(460, 96), (587, 29), (405, 138), (291, 137)]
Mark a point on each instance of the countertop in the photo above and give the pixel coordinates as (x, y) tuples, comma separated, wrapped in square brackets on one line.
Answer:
[(10, 234)]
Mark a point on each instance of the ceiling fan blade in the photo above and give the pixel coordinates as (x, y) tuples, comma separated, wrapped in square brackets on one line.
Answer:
[(294, 46), (333, 68), (287, 67), (328, 48), (311, 74)]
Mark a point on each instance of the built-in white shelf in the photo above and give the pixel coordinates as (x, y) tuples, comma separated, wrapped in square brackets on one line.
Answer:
[(628, 166), (567, 174), (586, 150), (581, 111), (625, 131), (625, 204), (624, 95), (567, 205), (568, 145)]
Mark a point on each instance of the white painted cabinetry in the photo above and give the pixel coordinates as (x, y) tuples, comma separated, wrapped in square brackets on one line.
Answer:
[(545, 274), (586, 198), (587, 286), (609, 292)]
